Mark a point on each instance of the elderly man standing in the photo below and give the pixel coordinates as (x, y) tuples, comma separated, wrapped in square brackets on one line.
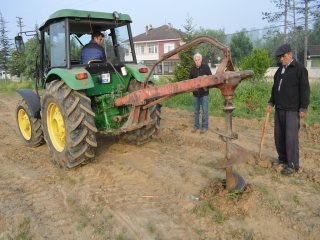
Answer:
[(201, 95), (291, 96)]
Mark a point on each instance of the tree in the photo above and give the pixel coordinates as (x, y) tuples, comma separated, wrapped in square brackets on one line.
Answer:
[(275, 17), (182, 70), (273, 41), (292, 9), (314, 36), (5, 46), (25, 64), (32, 50), (17, 65), (259, 61), (210, 53), (240, 46), (255, 37)]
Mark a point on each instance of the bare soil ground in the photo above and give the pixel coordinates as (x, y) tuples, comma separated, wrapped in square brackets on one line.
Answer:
[(165, 189)]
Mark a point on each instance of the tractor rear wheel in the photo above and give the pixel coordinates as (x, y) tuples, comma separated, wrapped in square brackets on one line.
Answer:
[(68, 124), (146, 133), (29, 127)]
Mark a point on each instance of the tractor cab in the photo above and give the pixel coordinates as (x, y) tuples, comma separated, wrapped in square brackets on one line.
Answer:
[(67, 31)]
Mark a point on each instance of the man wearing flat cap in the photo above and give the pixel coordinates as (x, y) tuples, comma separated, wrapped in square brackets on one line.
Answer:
[(290, 95)]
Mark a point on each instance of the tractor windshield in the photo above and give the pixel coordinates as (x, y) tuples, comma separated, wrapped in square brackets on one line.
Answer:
[(62, 43), (116, 44)]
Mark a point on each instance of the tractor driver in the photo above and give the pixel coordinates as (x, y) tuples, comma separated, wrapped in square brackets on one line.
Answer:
[(93, 50)]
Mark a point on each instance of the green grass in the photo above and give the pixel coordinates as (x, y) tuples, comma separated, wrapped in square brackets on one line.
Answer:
[(234, 193), (203, 210), (151, 227), (296, 199), (219, 217), (250, 100), (316, 187), (9, 86), (23, 230)]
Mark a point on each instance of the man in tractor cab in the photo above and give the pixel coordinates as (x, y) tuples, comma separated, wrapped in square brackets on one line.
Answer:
[(93, 50)]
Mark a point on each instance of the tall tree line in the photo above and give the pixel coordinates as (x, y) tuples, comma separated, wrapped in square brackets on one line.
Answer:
[(296, 15), (5, 46)]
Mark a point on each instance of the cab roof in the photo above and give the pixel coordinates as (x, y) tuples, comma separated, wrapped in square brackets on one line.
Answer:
[(82, 14)]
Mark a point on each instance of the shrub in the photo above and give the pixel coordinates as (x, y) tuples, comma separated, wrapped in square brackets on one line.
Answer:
[(258, 61)]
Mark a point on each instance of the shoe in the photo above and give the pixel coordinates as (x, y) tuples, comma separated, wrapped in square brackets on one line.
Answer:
[(203, 131), (194, 130), (278, 161), (289, 170)]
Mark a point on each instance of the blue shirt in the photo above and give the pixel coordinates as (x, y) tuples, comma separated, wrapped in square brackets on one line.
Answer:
[(92, 51)]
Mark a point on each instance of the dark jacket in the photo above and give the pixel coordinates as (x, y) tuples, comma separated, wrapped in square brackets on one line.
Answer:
[(294, 94), (91, 51), (196, 72)]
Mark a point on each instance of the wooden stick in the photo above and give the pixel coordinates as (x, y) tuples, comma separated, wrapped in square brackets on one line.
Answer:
[(150, 196), (264, 132)]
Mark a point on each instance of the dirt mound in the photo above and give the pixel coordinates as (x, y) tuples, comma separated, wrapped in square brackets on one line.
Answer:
[(229, 202)]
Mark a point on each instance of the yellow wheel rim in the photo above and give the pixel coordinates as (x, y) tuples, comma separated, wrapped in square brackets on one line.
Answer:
[(24, 124), (56, 127)]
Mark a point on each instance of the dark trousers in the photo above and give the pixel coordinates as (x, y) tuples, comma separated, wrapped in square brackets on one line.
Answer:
[(286, 135)]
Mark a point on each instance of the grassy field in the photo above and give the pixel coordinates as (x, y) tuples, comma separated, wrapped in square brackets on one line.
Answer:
[(250, 99)]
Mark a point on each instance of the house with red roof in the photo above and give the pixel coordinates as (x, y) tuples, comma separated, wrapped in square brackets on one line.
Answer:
[(154, 43)]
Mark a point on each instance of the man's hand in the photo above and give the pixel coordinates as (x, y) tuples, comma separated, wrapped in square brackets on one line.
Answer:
[(302, 114), (269, 108)]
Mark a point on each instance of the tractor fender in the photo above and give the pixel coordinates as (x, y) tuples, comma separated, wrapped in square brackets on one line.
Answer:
[(133, 69), (32, 100), (69, 77)]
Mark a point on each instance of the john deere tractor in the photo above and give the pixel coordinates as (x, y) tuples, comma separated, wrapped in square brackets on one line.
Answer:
[(74, 100)]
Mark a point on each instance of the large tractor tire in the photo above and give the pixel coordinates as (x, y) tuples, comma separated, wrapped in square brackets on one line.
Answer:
[(146, 133), (29, 127), (68, 124)]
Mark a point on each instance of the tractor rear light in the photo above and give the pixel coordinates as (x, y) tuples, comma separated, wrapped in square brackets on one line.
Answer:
[(81, 76), (143, 70)]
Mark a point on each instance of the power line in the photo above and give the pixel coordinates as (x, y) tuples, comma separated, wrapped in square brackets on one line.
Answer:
[(266, 28)]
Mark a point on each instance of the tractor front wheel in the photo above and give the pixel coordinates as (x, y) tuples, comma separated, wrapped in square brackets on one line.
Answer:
[(68, 124)]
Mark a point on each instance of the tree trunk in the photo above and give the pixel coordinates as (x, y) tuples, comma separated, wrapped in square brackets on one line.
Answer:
[(295, 30), (285, 21), (306, 33)]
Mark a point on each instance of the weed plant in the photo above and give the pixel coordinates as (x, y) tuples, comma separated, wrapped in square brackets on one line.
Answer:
[(296, 199), (234, 193)]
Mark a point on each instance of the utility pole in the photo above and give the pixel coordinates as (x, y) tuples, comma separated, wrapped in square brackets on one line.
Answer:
[(20, 24)]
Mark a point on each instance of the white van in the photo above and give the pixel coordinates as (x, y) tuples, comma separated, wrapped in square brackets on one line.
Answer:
[(3, 73)]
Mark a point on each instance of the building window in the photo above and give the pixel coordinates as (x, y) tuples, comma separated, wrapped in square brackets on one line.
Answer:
[(168, 67), (168, 47), (157, 70), (139, 49), (153, 48)]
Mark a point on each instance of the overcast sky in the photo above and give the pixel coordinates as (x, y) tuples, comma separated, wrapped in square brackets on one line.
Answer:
[(232, 15)]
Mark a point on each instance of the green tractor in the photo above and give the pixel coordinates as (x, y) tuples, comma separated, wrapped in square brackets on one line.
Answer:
[(116, 97), (73, 100)]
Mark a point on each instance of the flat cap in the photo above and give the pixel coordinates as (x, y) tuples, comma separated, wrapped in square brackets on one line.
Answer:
[(283, 49)]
